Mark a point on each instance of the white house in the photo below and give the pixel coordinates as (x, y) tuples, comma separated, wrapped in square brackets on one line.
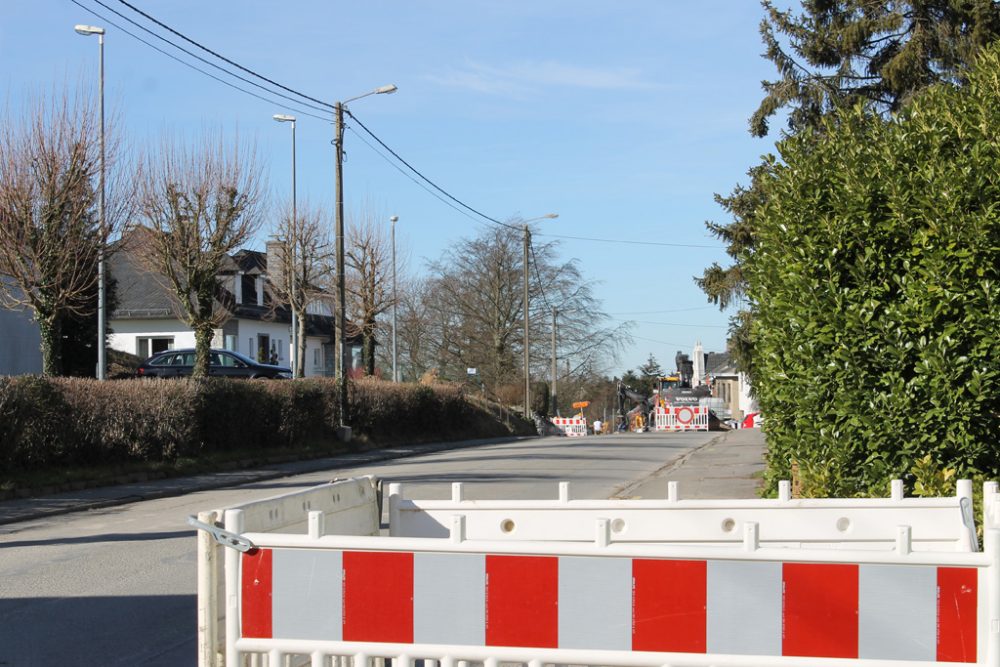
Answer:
[(145, 320)]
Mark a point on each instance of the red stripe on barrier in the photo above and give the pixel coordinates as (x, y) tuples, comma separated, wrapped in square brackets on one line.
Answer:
[(378, 597), (956, 606), (522, 601), (668, 605), (255, 606), (820, 610)]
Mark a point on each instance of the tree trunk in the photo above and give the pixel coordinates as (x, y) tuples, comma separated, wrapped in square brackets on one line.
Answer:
[(300, 343), (368, 350), (50, 329), (202, 345)]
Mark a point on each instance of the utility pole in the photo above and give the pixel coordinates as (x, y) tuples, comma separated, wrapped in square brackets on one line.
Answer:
[(527, 376), (395, 372), (555, 405), (340, 337)]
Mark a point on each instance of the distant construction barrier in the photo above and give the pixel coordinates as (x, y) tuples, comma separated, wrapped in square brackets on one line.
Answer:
[(573, 427), (680, 418)]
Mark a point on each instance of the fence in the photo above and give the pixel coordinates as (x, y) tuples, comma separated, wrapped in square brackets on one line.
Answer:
[(348, 507), (571, 426), (680, 418), (901, 582)]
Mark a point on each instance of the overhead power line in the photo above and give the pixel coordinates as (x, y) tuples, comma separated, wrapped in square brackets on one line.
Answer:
[(206, 61), (425, 179), (324, 105), (222, 57), (194, 67)]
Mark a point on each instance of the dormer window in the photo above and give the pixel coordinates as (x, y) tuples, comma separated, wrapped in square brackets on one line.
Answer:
[(249, 289)]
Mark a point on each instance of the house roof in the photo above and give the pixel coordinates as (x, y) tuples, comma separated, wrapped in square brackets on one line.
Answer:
[(719, 363)]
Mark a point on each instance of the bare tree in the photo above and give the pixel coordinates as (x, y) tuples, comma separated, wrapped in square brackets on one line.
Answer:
[(200, 204), (475, 310), (368, 263), (50, 234), (300, 283), (416, 348)]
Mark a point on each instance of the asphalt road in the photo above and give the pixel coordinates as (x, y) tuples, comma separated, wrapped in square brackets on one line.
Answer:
[(116, 586)]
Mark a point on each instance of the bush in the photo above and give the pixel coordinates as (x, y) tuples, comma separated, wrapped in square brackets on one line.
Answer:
[(66, 422), (876, 291)]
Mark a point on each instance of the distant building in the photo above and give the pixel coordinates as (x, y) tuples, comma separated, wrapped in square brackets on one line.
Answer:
[(20, 342), (728, 385), (146, 320)]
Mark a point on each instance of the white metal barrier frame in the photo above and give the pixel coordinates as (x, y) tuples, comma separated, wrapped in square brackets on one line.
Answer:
[(680, 418), (348, 507), (940, 524), (574, 427), (321, 596)]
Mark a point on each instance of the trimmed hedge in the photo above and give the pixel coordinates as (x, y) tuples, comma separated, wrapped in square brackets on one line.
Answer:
[(874, 284), (63, 422)]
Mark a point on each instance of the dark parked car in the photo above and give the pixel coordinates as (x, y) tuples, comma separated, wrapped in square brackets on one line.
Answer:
[(223, 363)]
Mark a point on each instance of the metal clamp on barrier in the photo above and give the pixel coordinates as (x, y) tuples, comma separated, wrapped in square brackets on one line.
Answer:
[(223, 537)]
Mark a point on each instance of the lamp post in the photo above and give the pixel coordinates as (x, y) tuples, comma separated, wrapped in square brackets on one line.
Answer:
[(395, 373), (527, 372), (293, 242), (341, 335), (102, 365), (554, 408)]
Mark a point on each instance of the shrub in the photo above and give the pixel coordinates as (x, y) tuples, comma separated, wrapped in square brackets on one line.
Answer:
[(72, 422), (875, 291)]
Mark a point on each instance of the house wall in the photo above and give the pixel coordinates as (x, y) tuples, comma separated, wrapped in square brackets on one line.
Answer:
[(747, 403), (127, 333), (20, 343), (247, 334)]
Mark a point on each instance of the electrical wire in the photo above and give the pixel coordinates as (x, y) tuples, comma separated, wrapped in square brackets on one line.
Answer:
[(424, 178), (194, 67), (208, 62), (331, 106), (412, 178), (538, 277), (221, 57), (626, 241)]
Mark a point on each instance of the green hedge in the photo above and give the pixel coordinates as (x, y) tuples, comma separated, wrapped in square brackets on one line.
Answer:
[(53, 423), (875, 286)]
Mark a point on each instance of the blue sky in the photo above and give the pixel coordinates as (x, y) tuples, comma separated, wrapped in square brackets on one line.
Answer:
[(622, 117)]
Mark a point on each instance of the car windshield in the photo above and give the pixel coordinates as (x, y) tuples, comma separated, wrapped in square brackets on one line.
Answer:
[(237, 355)]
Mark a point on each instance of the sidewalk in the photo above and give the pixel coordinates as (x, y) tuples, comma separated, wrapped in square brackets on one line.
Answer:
[(728, 466)]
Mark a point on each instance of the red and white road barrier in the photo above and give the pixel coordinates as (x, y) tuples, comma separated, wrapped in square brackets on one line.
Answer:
[(573, 427), (680, 418), (892, 582), (884, 611)]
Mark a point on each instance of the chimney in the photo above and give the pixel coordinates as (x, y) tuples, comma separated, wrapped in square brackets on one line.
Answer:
[(276, 264)]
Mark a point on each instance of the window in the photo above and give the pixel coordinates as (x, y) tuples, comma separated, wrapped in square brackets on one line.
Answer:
[(147, 346), (249, 289), (317, 359), (230, 342)]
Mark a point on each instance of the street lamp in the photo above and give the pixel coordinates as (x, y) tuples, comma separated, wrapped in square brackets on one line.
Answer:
[(527, 375), (293, 242), (102, 365), (395, 374), (341, 334)]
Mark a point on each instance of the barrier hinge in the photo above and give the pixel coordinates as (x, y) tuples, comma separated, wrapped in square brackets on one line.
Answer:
[(223, 537)]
